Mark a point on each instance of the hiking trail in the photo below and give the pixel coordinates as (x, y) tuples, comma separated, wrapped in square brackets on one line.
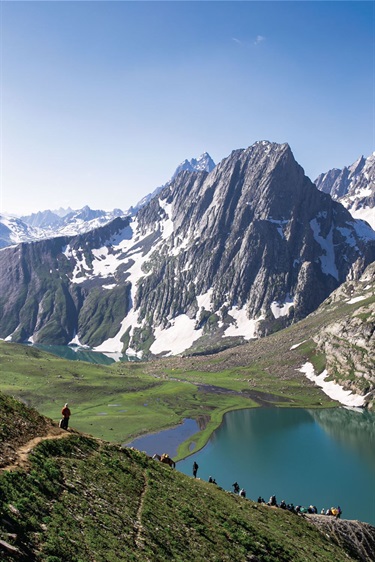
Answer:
[(138, 527), (22, 453)]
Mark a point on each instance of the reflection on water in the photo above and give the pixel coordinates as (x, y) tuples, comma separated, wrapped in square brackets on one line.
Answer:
[(325, 458), (353, 429), (166, 441), (270, 423), (74, 353)]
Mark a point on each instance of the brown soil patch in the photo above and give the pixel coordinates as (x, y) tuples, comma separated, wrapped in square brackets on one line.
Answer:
[(19, 458)]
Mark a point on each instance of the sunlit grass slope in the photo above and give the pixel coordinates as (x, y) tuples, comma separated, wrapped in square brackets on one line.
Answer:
[(86, 500)]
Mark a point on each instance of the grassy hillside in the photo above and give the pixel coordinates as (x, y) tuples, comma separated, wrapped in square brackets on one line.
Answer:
[(83, 500)]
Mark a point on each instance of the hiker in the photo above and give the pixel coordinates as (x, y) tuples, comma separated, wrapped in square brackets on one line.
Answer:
[(236, 487), (273, 501), (195, 469), (66, 415)]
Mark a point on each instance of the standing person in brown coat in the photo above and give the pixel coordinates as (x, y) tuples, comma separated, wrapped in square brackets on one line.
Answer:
[(66, 415)]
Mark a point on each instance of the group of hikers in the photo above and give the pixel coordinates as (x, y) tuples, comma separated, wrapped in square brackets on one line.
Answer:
[(335, 511), (272, 502), (236, 490)]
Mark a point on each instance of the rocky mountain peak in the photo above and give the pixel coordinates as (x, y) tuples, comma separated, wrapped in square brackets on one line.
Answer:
[(353, 186)]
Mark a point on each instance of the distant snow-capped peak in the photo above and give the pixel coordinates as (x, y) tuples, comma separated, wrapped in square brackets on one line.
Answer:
[(203, 163)]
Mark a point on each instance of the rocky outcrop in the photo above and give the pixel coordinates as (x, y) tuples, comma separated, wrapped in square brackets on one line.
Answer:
[(355, 537), (349, 342)]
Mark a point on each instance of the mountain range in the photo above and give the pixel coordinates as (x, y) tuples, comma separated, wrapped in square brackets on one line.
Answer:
[(69, 222), (214, 259)]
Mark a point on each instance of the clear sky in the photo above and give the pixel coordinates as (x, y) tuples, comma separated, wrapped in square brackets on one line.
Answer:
[(100, 101)]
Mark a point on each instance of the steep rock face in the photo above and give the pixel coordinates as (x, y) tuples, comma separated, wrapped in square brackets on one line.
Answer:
[(253, 236), (353, 186), (232, 254), (349, 343)]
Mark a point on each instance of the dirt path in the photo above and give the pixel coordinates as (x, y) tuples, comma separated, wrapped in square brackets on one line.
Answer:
[(138, 527), (23, 452)]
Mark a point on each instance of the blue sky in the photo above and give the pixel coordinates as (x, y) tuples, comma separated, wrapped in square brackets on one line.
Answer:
[(102, 100)]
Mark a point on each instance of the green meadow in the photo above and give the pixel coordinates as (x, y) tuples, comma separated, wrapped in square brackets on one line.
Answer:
[(124, 400)]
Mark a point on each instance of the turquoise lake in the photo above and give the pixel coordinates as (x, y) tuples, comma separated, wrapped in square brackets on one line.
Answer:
[(74, 353), (305, 457)]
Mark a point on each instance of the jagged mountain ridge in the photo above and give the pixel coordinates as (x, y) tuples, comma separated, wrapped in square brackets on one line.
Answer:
[(55, 223), (353, 186), (46, 224), (234, 253), (203, 163)]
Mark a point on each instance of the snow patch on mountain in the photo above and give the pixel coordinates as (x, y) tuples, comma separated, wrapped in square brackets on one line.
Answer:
[(166, 225), (363, 230), (332, 389), (281, 309), (204, 300), (105, 264), (112, 345), (280, 226), (364, 213), (327, 259), (242, 326), (177, 338), (81, 268), (357, 299)]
